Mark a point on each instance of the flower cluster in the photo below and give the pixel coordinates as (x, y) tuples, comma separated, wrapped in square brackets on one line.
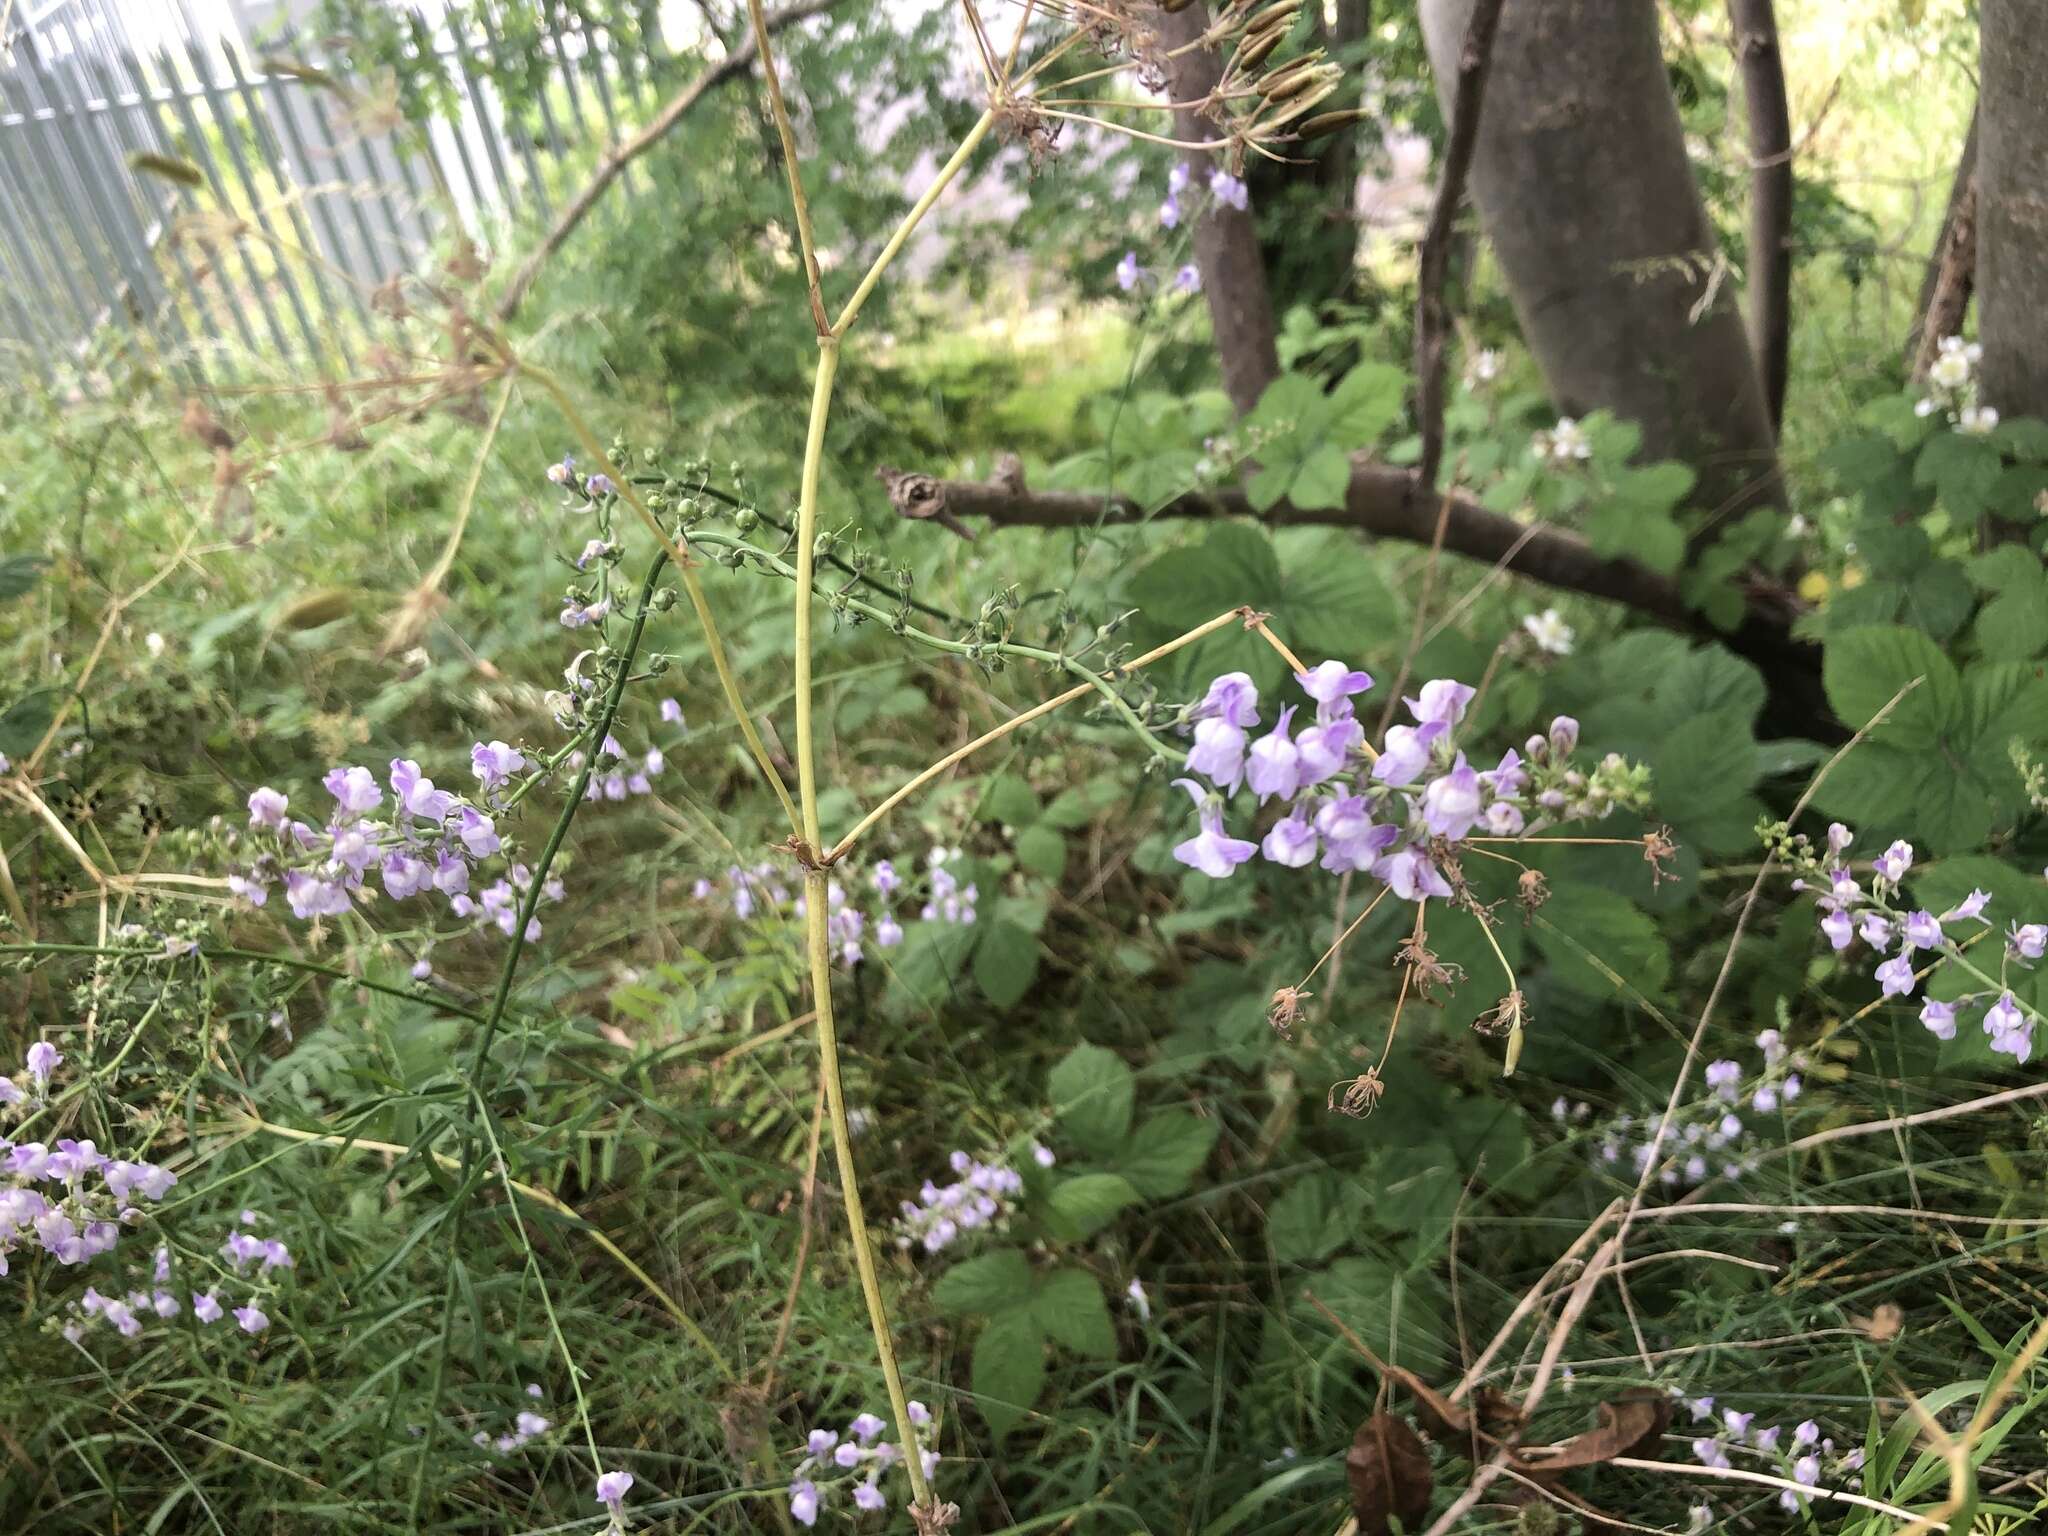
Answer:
[(1565, 443), (1223, 190), (618, 775), (980, 1198), (248, 1256), (1708, 1137), (526, 1425), (1952, 388), (1802, 1456), (434, 841), (766, 888), (860, 1451), (592, 488), (1397, 814), (1878, 917)]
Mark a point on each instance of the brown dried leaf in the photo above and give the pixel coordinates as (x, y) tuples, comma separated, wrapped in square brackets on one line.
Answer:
[(1390, 1476), (1629, 1425)]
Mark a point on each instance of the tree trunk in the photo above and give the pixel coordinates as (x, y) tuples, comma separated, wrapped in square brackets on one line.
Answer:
[(1226, 241), (2012, 206), (1951, 266), (1585, 192)]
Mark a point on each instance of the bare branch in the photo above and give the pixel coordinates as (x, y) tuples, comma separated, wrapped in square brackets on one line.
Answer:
[(1951, 266), (1432, 323)]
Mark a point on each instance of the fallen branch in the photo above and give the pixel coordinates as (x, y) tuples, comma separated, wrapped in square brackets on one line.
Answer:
[(619, 156), (1383, 501)]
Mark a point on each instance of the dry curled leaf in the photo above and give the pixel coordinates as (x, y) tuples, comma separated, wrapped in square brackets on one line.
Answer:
[(1629, 1425), (1390, 1476)]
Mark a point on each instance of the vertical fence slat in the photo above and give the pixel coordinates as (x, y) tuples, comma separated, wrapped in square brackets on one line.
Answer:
[(266, 145), (202, 154), (39, 241), (521, 140), (423, 43), (486, 128), (595, 59)]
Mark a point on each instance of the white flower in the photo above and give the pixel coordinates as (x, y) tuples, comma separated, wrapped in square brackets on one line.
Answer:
[(1484, 368), (1977, 420), (1550, 632), (1950, 370), (153, 643), (1564, 442), (1140, 1302)]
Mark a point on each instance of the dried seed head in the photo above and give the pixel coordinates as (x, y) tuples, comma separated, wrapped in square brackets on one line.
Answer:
[(1657, 850), (934, 1519), (1359, 1096), (1531, 891), (1427, 970), (1285, 1009), (1504, 1017)]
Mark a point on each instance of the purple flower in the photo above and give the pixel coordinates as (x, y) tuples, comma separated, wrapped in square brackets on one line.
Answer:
[(1218, 753), (1877, 933), (530, 1424), (888, 932), (406, 876), (820, 1443), (1504, 818), (1450, 804), (310, 898), (1972, 905), (1940, 1019), (598, 485), (2011, 1034), (866, 1426), (671, 712), (1169, 212), (1291, 842), (868, 1496), (1326, 748), (1839, 928), (1564, 735), (43, 1059), (1331, 684), (355, 788), (920, 1415), (1349, 834), (1410, 875), (1179, 178), (1128, 272), (2029, 940), (1188, 279), (849, 1455), (1275, 766), (1893, 863), (1805, 1432), (250, 1319), (563, 472), (1407, 753), (416, 794), (1233, 697), (1722, 1077), (1738, 1422), (1896, 974), (1229, 191), (591, 551), (266, 808), (206, 1307), (1920, 930), (1442, 702), (612, 1488), (1211, 851), (493, 763), (576, 615), (478, 832), (803, 1502)]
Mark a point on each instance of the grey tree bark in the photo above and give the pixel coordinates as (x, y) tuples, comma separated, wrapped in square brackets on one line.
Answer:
[(1770, 194), (1586, 195), (1226, 241), (2012, 205)]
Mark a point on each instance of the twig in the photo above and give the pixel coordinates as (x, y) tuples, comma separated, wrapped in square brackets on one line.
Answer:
[(1763, 1479), (1432, 324)]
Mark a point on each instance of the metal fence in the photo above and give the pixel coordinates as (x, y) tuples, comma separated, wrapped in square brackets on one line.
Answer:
[(298, 199)]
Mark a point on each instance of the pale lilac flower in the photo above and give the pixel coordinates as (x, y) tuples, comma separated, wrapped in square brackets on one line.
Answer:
[(1920, 930), (1169, 212), (1218, 753), (1722, 1077), (1764, 1100), (1233, 697), (563, 472), (1128, 272), (1564, 735), (1291, 842), (422, 969), (43, 1059), (1179, 178), (1331, 684), (2011, 1033), (1767, 1439), (1443, 701), (533, 1390), (1450, 804), (592, 550), (250, 1319), (1701, 1408), (1275, 764), (1839, 927), (479, 833), (355, 788), (1411, 876), (206, 1307), (848, 1455), (612, 1488), (1940, 1019), (1351, 840), (1738, 1422), (920, 1415), (671, 712), (1893, 863), (10, 1092), (803, 1502), (530, 1424), (598, 485), (1212, 851), (494, 762), (1972, 905), (1708, 1453), (1140, 1302), (416, 794), (1188, 279), (1550, 632), (1326, 748), (1895, 975), (866, 1426), (1229, 190), (868, 1496), (1406, 753), (888, 932), (576, 615), (1042, 1155), (820, 1442), (1876, 931), (266, 808), (2029, 940), (1504, 818)]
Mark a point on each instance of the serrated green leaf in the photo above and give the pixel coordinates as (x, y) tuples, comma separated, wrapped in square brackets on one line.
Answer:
[(1164, 1154), (1862, 669), (1008, 1371), (1007, 798), (1366, 401), (1042, 850), (1962, 468), (1080, 1207), (1092, 1093), (1320, 479), (990, 1283), (1070, 1309), (1307, 1223), (1598, 942)]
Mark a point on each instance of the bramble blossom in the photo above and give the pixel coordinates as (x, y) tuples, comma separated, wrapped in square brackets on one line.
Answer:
[(981, 1197)]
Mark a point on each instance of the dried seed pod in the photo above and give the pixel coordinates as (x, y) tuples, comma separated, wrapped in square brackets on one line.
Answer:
[(1333, 122)]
